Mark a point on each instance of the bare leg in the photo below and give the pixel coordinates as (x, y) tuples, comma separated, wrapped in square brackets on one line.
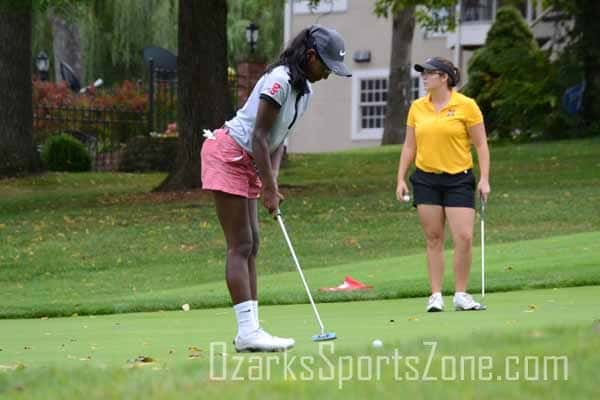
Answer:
[(432, 220), (253, 214), (235, 221), (460, 221)]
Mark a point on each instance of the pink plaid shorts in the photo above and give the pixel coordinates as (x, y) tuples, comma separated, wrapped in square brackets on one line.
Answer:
[(227, 167)]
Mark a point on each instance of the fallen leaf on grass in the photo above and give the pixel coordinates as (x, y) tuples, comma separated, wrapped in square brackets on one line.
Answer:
[(530, 308), (352, 242), (144, 359), (141, 361), (13, 367), (195, 352), (187, 248), (413, 318)]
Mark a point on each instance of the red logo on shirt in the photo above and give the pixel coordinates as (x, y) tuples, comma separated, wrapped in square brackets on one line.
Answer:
[(275, 88)]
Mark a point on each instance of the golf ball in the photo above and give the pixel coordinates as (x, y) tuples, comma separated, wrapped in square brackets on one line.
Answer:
[(406, 198), (185, 307), (377, 343)]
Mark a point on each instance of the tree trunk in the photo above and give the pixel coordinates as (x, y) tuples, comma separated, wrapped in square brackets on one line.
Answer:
[(202, 91), (67, 45), (399, 88), (587, 25), (18, 155)]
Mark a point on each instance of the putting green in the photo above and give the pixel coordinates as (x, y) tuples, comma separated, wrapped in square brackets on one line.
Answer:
[(172, 338)]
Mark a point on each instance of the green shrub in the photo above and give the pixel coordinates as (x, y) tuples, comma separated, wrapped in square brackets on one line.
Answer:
[(65, 153), (512, 80)]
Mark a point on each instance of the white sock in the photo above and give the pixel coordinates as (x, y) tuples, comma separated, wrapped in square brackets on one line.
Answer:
[(245, 318), (255, 312), (436, 294), (459, 293)]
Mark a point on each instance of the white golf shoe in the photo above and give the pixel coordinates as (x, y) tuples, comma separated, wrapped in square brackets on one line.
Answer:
[(261, 341), (465, 302), (435, 303)]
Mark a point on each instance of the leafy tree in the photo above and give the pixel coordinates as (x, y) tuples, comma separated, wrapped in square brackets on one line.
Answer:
[(511, 78), (268, 14), (17, 153), (585, 47), (114, 32), (405, 15), (202, 85)]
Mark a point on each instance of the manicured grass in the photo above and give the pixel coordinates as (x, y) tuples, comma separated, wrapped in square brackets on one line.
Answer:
[(89, 244), (90, 356), (543, 263), (95, 243)]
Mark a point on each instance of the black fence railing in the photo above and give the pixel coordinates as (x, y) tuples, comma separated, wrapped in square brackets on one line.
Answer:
[(102, 131), (162, 98), (233, 89)]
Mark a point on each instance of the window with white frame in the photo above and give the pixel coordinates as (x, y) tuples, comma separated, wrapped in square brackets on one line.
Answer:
[(415, 88), (477, 10), (373, 100), (324, 7), (369, 99)]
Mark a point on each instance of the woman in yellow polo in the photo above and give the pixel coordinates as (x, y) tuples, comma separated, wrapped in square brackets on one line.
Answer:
[(441, 127)]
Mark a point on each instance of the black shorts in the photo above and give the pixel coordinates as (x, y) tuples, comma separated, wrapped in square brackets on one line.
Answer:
[(446, 190)]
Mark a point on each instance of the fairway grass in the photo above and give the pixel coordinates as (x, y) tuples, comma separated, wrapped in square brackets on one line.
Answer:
[(74, 247), (558, 261), (68, 357), (103, 243)]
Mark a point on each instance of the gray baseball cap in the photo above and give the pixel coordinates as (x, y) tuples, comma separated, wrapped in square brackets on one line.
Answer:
[(330, 46)]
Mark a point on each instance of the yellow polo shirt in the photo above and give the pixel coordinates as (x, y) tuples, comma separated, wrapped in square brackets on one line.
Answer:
[(443, 141)]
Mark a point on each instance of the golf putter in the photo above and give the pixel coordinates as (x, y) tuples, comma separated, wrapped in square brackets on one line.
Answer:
[(482, 217), (323, 336)]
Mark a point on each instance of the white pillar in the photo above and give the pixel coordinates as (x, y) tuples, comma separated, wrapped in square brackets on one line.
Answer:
[(457, 44), (288, 22)]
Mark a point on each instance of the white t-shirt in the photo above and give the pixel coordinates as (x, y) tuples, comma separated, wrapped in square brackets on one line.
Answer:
[(277, 87)]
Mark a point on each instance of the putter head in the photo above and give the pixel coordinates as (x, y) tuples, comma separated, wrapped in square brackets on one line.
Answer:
[(322, 337), (480, 308)]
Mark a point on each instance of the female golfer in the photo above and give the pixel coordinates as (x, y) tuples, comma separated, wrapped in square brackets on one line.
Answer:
[(240, 163), (440, 130)]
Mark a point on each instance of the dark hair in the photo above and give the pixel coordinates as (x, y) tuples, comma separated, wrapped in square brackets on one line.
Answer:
[(454, 77), (294, 57)]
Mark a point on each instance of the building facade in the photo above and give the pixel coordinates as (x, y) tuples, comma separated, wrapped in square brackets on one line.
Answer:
[(348, 113)]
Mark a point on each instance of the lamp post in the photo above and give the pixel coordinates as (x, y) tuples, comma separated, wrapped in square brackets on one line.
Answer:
[(252, 35), (42, 64)]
